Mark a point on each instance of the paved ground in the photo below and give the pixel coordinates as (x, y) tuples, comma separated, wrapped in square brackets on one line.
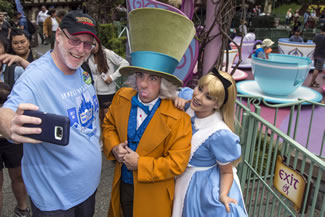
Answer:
[(104, 189), (102, 196)]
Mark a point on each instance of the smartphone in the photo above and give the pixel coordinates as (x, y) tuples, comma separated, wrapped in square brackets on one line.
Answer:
[(104, 76), (55, 128)]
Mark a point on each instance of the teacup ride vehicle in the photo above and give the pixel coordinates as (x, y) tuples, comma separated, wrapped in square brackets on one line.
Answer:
[(279, 79), (247, 49), (300, 49), (239, 74)]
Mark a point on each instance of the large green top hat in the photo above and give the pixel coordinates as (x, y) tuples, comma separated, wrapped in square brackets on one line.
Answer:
[(159, 39)]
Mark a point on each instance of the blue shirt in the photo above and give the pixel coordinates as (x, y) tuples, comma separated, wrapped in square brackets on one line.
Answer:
[(260, 53), (23, 22), (295, 38), (60, 177), (18, 72)]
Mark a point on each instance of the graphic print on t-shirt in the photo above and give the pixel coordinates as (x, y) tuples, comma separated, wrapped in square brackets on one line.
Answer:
[(83, 116)]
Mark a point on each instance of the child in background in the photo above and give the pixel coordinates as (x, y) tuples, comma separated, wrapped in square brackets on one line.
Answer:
[(210, 186), (265, 49), (296, 37)]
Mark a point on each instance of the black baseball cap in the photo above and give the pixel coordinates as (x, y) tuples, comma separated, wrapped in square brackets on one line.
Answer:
[(77, 23)]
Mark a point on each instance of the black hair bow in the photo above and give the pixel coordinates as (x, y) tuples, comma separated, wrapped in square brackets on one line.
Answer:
[(226, 83)]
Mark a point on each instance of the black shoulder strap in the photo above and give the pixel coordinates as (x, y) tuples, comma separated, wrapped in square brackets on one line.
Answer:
[(9, 75), (86, 67)]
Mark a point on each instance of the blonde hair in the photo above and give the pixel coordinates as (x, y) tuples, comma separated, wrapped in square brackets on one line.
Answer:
[(216, 91), (168, 90)]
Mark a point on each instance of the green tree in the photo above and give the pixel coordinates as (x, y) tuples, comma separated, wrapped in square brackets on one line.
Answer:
[(7, 6), (102, 10)]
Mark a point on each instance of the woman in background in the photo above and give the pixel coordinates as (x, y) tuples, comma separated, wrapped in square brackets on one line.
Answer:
[(20, 45), (288, 16), (11, 153), (50, 26), (105, 65)]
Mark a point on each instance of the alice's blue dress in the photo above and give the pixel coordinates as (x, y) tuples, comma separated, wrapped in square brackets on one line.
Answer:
[(197, 190)]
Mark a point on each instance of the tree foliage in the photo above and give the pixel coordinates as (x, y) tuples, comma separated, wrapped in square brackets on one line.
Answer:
[(7, 6), (102, 10), (107, 34)]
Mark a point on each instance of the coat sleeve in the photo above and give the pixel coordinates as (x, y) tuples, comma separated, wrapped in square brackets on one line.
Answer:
[(177, 150), (109, 132)]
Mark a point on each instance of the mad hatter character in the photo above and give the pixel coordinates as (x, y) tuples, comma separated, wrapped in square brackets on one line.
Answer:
[(143, 131)]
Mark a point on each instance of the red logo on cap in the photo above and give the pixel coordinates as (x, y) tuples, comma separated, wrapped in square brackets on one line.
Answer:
[(85, 20), (90, 24)]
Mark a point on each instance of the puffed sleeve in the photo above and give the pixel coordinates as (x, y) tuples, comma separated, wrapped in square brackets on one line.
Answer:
[(224, 146), (186, 93)]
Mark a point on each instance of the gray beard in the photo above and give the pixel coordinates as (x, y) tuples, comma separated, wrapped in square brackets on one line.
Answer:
[(60, 46)]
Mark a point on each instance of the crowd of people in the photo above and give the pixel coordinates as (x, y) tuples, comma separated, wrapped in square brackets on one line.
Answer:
[(47, 21)]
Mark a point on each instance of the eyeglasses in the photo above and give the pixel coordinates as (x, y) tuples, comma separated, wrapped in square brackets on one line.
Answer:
[(76, 42)]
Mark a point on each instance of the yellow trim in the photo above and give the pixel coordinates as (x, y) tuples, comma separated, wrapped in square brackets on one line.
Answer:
[(295, 45)]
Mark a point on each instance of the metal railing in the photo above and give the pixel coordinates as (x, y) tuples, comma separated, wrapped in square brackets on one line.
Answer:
[(262, 141), (295, 124)]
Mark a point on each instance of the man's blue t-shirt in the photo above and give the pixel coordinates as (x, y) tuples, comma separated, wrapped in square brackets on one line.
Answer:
[(60, 177)]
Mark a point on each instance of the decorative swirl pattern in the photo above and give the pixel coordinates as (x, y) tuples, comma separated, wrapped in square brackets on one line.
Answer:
[(299, 49), (187, 64), (296, 52)]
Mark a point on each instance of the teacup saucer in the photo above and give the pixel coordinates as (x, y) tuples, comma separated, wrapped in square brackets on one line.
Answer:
[(251, 88), (238, 75), (245, 65)]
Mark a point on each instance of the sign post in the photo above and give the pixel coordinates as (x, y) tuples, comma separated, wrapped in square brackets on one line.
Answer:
[(290, 183)]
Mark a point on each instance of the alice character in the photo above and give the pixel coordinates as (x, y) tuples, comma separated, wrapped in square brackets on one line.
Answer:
[(210, 187)]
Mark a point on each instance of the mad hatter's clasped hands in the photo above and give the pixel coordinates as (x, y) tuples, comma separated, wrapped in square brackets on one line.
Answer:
[(124, 154)]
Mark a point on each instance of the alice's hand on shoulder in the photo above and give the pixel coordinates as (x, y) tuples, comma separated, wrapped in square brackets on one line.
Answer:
[(180, 103)]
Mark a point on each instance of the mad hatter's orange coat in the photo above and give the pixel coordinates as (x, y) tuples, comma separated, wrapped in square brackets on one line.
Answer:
[(164, 151)]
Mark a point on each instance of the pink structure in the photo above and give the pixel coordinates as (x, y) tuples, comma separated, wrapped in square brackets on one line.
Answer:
[(211, 52)]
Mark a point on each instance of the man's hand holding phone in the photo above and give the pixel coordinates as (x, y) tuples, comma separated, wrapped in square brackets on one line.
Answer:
[(18, 132), (30, 125)]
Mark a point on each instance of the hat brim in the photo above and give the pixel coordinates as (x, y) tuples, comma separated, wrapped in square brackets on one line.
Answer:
[(78, 31), (268, 45), (127, 70)]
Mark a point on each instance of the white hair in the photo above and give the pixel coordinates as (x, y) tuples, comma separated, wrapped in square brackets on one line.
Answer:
[(168, 90)]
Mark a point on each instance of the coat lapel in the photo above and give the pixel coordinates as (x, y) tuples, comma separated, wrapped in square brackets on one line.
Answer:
[(124, 113)]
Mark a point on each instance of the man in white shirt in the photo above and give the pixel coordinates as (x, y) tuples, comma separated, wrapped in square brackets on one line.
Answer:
[(42, 15)]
